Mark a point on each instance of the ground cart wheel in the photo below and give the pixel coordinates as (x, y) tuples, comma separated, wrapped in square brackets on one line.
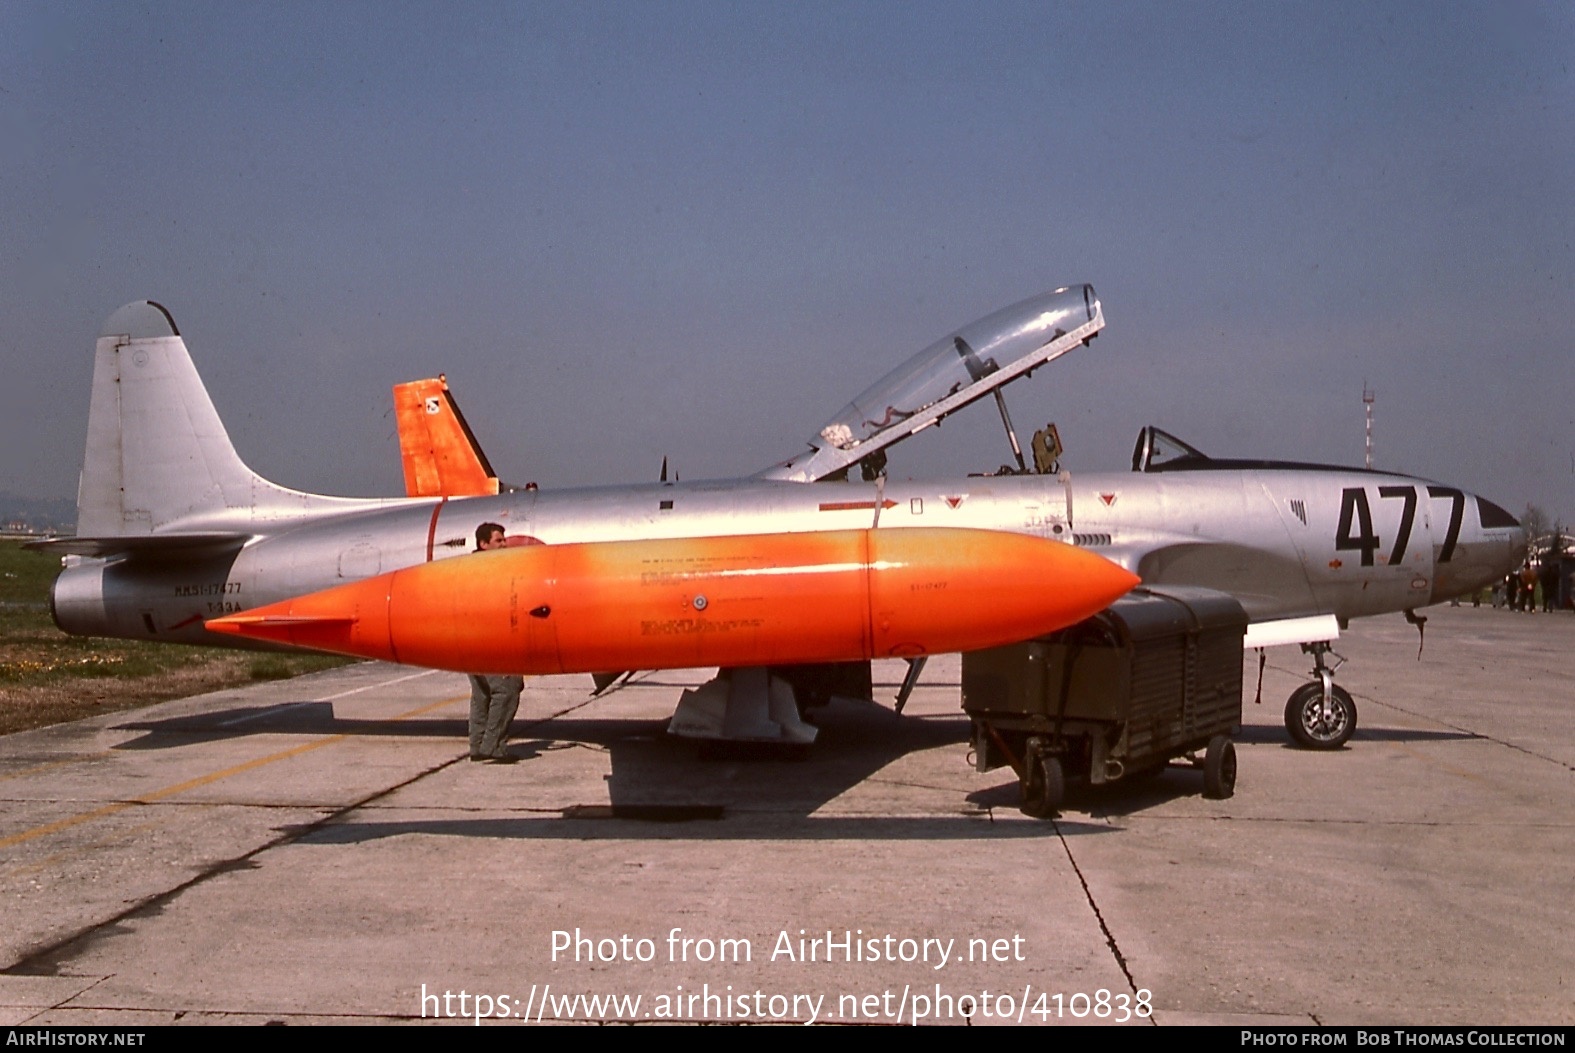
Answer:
[(1044, 787), (1311, 726), (1219, 768)]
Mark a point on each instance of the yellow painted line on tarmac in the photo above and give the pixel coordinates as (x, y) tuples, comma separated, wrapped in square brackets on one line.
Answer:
[(282, 707), (201, 780)]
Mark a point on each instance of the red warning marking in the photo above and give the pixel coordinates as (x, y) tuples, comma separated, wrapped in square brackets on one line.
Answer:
[(854, 506), (953, 502), (1109, 499)]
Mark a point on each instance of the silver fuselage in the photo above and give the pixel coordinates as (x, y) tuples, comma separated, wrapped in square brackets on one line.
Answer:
[(1287, 543)]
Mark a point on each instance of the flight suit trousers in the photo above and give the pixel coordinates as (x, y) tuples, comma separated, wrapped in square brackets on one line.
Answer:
[(493, 702)]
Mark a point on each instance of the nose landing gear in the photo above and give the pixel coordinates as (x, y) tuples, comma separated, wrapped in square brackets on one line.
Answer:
[(1321, 715)]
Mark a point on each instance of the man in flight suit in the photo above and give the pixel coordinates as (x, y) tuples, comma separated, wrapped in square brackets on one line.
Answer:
[(493, 699)]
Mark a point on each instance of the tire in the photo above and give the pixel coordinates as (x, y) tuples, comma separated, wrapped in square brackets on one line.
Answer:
[(1044, 787), (1219, 769), (1304, 717)]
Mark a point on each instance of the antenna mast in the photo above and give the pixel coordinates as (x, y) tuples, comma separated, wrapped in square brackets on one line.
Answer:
[(1367, 404)]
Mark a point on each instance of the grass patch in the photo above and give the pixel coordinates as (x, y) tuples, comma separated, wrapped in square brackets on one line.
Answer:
[(272, 667), (47, 677)]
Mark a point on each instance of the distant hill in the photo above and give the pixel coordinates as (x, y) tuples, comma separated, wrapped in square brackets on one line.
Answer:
[(20, 514)]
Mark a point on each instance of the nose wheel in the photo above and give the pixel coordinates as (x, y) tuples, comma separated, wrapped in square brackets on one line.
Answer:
[(1321, 715), (1319, 725)]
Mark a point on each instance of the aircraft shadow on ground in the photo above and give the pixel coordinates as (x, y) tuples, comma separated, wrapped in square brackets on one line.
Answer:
[(1112, 800), (729, 826), (661, 786), (317, 718), (1276, 736), (287, 718)]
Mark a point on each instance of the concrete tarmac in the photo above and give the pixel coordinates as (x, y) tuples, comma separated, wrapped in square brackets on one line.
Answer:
[(321, 850)]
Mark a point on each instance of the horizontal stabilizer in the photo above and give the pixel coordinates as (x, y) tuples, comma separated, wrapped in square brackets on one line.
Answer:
[(145, 545)]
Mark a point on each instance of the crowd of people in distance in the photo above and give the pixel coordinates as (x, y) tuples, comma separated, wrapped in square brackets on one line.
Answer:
[(1530, 588)]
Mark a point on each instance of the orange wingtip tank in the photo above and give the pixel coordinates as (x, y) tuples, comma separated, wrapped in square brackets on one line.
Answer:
[(749, 600)]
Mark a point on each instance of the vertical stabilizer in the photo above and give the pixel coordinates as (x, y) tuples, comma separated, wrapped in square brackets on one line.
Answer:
[(441, 456), (158, 458)]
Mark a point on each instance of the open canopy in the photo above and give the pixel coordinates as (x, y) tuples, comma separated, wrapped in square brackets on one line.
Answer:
[(946, 376)]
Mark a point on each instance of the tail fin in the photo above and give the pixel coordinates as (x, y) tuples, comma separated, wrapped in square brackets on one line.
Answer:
[(158, 458), (441, 455)]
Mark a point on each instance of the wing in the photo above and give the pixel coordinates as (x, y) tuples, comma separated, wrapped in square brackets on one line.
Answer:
[(1266, 583)]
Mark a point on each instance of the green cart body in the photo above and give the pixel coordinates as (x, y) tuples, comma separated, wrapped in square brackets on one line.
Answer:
[(1153, 677)]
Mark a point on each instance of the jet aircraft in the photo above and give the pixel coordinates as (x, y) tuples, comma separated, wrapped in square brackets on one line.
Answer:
[(178, 540), (1303, 547)]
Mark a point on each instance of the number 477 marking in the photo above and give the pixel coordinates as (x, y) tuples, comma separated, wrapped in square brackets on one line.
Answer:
[(1355, 532)]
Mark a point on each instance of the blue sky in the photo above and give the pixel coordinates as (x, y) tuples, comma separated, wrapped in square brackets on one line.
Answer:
[(626, 231)]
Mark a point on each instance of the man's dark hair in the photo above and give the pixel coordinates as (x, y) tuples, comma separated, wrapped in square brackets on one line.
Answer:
[(485, 531)]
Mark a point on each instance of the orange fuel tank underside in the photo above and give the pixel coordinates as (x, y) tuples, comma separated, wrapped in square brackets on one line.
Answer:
[(717, 601)]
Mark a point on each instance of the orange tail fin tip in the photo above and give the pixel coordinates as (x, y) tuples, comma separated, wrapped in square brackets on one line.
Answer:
[(440, 453)]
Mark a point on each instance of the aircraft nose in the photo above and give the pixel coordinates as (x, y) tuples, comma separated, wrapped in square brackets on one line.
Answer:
[(1512, 537), (1487, 549)]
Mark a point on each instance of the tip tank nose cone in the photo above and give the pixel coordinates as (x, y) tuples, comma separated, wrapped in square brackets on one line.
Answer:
[(1081, 583), (965, 590)]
